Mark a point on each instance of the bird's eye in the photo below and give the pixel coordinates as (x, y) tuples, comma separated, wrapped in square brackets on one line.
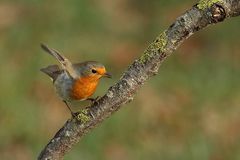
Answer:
[(94, 71)]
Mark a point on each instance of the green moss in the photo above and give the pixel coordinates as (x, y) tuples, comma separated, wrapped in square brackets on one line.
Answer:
[(203, 4), (157, 45), (83, 116)]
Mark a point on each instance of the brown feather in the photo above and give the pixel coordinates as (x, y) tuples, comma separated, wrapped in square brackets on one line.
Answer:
[(52, 71), (65, 63)]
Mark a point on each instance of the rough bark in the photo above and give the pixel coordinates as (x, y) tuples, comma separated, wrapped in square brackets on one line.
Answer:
[(205, 13)]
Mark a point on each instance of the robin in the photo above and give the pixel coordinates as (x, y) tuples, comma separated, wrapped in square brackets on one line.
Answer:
[(74, 82)]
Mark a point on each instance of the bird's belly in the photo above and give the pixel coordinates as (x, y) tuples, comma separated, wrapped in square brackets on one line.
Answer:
[(63, 86), (82, 89)]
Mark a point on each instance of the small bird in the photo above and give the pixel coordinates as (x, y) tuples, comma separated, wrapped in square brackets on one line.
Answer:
[(74, 82)]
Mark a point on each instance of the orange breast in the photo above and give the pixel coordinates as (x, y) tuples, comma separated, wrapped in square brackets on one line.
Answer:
[(84, 87)]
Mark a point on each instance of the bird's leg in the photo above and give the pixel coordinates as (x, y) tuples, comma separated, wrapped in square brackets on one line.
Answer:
[(93, 100), (72, 113)]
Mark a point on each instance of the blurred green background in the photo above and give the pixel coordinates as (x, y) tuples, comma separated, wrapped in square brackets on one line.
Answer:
[(189, 111)]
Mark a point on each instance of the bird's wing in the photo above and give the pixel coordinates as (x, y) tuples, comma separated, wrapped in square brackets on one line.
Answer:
[(65, 63), (52, 71)]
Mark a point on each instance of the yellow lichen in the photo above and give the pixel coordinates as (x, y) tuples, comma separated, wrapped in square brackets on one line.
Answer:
[(203, 4), (83, 116), (159, 44)]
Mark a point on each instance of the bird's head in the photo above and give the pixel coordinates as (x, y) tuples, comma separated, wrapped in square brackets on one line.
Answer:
[(92, 69)]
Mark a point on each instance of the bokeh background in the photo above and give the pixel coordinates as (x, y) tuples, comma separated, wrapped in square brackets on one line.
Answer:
[(189, 111)]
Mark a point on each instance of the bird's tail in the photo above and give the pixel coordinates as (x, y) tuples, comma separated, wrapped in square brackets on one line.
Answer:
[(54, 53), (65, 63)]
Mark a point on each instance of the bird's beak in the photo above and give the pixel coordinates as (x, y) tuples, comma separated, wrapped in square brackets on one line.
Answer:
[(108, 75)]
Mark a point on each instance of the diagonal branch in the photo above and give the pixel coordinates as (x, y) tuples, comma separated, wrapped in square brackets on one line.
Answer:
[(201, 15)]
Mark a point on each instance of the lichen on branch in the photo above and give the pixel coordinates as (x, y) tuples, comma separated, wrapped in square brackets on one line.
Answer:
[(156, 46), (204, 4)]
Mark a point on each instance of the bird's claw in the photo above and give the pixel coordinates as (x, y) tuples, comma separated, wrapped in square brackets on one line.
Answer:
[(74, 115), (93, 100)]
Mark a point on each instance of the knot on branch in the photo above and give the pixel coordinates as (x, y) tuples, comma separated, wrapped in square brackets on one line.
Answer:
[(218, 13), (215, 9)]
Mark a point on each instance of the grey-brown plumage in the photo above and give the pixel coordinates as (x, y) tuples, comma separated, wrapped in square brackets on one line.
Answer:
[(66, 65), (52, 71)]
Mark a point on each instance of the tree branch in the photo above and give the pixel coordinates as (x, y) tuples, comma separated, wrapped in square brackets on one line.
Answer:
[(201, 15)]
